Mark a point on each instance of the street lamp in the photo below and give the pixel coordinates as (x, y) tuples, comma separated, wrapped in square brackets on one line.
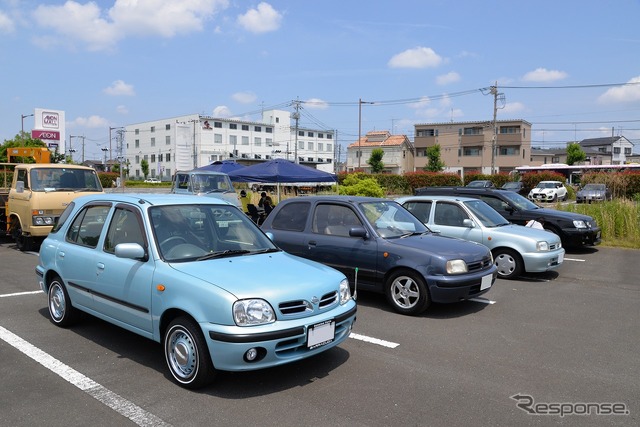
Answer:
[(24, 117)]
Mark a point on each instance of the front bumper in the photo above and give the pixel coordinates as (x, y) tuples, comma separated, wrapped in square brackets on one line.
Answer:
[(449, 289), (276, 344), (539, 262), (542, 197), (582, 237)]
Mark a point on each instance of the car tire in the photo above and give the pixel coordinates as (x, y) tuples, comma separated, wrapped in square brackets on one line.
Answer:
[(61, 311), (407, 292), (23, 243), (508, 262), (187, 354)]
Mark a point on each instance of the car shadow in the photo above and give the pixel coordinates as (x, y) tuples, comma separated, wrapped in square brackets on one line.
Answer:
[(227, 385)]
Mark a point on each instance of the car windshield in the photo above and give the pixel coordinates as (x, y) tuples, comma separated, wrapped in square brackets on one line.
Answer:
[(478, 184), (486, 214), (204, 183), (390, 220), (510, 185), (546, 185), (519, 201), (63, 179), (593, 187), (199, 232)]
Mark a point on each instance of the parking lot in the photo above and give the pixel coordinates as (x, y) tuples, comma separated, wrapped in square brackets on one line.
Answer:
[(542, 349)]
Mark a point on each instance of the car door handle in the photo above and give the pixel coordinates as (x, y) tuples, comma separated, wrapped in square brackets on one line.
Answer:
[(61, 254), (100, 266), (312, 243)]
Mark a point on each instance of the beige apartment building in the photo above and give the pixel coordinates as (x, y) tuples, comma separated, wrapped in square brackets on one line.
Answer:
[(465, 147)]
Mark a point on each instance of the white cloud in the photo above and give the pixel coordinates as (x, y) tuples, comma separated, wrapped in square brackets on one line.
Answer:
[(261, 20), (222, 111), (6, 23), (450, 77), (423, 103), (244, 97), (121, 109), (513, 107), (544, 75), (101, 29), (91, 122), (119, 88), (316, 104), (628, 93), (419, 57)]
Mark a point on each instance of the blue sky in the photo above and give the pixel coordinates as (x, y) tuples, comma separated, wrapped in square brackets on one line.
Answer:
[(571, 68)]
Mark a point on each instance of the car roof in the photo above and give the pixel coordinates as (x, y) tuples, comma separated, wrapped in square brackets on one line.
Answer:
[(438, 197), (336, 198), (151, 199)]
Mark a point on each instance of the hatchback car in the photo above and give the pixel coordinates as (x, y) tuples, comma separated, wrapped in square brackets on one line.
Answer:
[(516, 186), (481, 183), (515, 248), (382, 247), (593, 193), (197, 275), (548, 191)]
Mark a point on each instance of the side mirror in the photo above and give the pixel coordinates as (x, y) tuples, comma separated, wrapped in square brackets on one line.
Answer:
[(131, 251), (467, 223), (358, 232)]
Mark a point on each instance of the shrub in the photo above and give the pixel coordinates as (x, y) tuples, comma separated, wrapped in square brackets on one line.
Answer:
[(358, 185)]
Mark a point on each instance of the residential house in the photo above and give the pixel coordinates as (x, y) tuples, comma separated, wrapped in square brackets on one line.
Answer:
[(398, 153)]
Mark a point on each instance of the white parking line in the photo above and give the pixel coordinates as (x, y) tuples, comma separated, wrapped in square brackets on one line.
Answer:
[(482, 300), (377, 341), (17, 294), (92, 388)]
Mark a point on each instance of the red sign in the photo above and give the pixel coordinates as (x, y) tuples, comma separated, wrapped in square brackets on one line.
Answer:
[(45, 134)]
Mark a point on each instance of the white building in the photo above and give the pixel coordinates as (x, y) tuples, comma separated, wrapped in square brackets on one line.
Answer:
[(187, 142)]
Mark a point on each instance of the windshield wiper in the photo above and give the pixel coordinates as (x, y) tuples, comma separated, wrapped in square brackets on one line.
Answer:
[(221, 254), (266, 251), (414, 233)]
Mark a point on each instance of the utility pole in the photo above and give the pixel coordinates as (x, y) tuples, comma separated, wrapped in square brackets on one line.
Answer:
[(296, 116), (195, 155), (496, 95), (360, 102)]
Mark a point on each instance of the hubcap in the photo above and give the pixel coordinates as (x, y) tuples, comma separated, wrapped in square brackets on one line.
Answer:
[(505, 265), (57, 304), (182, 353)]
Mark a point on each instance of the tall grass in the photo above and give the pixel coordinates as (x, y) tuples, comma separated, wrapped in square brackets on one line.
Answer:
[(619, 221)]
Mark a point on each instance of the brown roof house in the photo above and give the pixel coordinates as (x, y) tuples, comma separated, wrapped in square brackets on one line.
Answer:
[(398, 153)]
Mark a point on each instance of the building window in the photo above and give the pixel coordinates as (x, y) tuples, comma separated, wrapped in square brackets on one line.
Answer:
[(160, 157), (257, 141), (616, 150), (168, 156), (473, 131), (217, 124), (245, 140), (245, 127), (300, 133), (269, 142), (321, 135), (217, 138), (277, 119), (153, 129), (510, 151), (136, 143), (167, 140), (300, 145), (509, 129), (233, 126), (320, 146), (627, 151), (137, 160), (268, 130), (167, 127), (146, 157), (137, 132), (329, 136), (310, 134), (472, 151), (310, 159), (153, 158), (329, 147), (310, 145), (233, 140), (153, 142), (257, 128), (427, 132)]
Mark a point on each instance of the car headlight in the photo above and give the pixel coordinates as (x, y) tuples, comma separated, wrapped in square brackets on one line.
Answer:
[(542, 246), (251, 312), (578, 223), (345, 292), (456, 266)]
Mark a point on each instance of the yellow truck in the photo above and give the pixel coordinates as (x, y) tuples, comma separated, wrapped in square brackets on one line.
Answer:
[(37, 195)]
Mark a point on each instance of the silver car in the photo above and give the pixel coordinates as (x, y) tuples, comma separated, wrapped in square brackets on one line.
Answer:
[(515, 248), (593, 193)]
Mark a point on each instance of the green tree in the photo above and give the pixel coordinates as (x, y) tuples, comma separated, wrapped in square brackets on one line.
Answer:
[(144, 165), (434, 163), (23, 139), (375, 161), (575, 154)]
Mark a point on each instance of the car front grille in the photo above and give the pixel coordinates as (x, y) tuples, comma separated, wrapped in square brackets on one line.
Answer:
[(480, 265), (296, 307), (554, 246)]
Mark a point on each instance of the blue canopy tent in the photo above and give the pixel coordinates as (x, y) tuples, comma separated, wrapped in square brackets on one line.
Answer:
[(281, 171), (224, 166)]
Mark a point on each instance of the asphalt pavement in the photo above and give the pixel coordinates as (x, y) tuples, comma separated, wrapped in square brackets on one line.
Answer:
[(544, 349)]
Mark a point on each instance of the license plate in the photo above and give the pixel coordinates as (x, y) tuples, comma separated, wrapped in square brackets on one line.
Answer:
[(486, 281), (560, 258), (321, 334)]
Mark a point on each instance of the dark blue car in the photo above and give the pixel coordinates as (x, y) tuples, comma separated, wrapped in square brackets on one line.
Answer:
[(384, 247)]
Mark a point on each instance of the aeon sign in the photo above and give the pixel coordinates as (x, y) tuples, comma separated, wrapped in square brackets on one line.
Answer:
[(50, 120), (45, 134)]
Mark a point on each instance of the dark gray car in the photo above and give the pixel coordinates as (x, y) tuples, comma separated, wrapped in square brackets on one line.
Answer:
[(383, 247), (593, 193)]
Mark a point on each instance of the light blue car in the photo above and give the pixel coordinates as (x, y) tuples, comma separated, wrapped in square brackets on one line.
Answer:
[(197, 275), (515, 248)]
